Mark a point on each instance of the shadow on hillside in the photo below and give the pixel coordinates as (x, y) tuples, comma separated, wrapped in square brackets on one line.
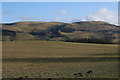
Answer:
[(63, 59)]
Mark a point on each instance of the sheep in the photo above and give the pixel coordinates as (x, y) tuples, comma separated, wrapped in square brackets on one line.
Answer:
[(78, 74), (75, 74), (89, 72)]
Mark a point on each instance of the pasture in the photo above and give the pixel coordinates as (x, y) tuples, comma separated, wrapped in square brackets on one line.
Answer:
[(56, 59)]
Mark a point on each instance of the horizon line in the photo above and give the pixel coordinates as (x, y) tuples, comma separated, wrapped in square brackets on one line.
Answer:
[(53, 21)]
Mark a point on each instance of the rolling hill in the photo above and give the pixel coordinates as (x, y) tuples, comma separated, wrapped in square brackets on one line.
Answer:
[(88, 31)]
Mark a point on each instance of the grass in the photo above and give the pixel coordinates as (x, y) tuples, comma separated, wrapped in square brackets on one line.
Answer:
[(58, 59)]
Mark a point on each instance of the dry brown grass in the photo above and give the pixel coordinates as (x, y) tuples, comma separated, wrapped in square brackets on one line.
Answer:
[(58, 59)]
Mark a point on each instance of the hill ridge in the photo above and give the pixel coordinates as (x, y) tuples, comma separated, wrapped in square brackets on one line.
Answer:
[(60, 31)]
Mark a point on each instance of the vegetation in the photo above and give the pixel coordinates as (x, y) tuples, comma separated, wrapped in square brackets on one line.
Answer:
[(55, 31), (45, 49), (56, 59)]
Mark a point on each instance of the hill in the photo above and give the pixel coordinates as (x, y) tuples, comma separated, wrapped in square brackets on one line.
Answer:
[(89, 31)]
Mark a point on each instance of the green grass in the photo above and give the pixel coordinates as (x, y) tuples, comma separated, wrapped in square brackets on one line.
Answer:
[(58, 59)]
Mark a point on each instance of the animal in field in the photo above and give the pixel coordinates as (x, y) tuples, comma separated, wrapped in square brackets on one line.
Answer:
[(89, 72), (80, 74), (75, 74)]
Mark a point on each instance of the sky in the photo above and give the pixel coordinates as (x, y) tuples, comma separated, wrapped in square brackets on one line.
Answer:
[(60, 11)]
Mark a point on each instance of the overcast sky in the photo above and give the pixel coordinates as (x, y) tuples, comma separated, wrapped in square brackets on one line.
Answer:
[(60, 11)]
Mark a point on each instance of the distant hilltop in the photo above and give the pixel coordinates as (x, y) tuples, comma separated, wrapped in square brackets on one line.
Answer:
[(87, 31)]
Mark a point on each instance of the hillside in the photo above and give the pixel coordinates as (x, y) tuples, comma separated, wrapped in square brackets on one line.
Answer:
[(94, 31)]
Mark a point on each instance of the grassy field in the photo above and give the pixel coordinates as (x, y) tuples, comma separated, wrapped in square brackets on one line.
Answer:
[(58, 59)]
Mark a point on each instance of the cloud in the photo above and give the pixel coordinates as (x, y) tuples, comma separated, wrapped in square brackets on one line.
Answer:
[(77, 20), (57, 19), (61, 12), (102, 14), (83, 19), (68, 20)]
